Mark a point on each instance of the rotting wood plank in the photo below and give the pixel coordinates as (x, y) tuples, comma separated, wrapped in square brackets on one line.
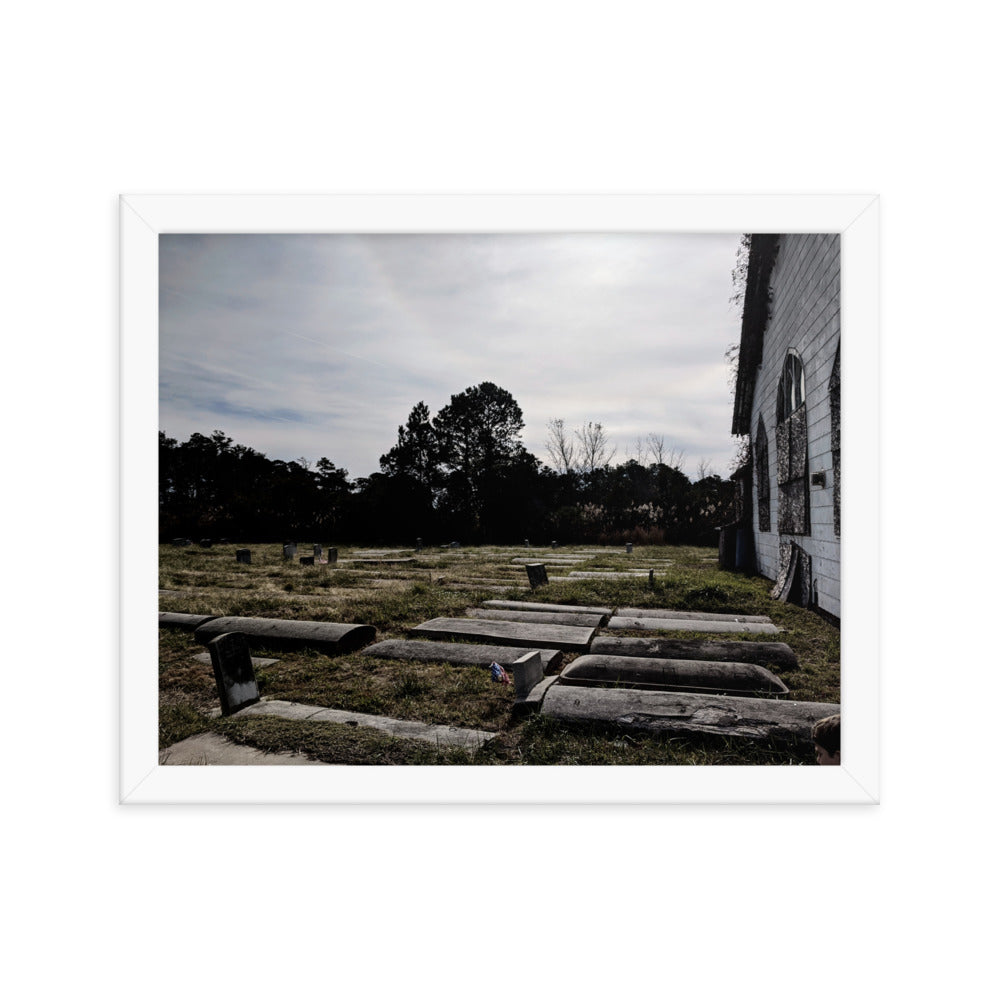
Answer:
[(281, 633), (688, 625), (459, 653), (672, 712), (540, 617), (710, 676), (570, 638), (776, 655), (691, 615)]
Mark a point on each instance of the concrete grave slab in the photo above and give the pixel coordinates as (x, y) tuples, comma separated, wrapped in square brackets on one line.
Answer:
[(453, 736), (281, 633), (459, 653), (689, 625), (679, 712), (540, 617), (690, 615), (777, 655), (174, 619), (538, 606), (711, 676), (210, 748), (256, 661), (569, 638)]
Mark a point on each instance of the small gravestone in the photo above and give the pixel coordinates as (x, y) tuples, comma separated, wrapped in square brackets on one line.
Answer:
[(628, 548), (332, 558), (555, 544), (420, 545), (528, 671), (181, 542), (455, 545), (205, 543), (651, 578), (317, 552), (287, 550), (234, 676), (527, 544), (307, 560), (243, 555), (537, 577)]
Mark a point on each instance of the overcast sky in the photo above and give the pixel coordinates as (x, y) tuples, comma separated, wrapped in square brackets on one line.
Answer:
[(320, 345)]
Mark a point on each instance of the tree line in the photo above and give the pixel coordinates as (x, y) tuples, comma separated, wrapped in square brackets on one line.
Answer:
[(461, 475)]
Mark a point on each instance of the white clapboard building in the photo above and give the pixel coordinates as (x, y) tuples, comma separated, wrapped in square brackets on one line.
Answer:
[(788, 402)]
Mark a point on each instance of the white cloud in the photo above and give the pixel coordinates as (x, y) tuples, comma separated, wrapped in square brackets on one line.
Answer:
[(310, 345)]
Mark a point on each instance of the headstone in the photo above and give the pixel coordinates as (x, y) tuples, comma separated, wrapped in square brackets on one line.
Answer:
[(537, 577), (234, 676), (527, 544), (420, 545), (332, 558), (243, 555), (205, 543), (555, 544), (288, 550), (181, 542), (628, 548), (317, 552), (307, 560), (527, 672), (455, 545), (651, 578)]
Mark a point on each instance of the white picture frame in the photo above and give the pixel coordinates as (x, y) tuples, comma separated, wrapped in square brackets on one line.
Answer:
[(143, 217)]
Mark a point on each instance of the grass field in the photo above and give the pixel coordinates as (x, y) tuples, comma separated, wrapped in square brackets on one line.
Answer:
[(393, 597)]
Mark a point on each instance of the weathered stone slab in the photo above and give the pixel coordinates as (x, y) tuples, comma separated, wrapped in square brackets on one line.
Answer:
[(690, 615), (234, 676), (379, 561), (459, 653), (282, 633), (256, 661), (538, 606), (174, 619), (572, 639), (541, 617), (537, 577), (674, 712), (689, 625), (399, 728), (778, 655), (243, 555), (588, 574), (711, 676)]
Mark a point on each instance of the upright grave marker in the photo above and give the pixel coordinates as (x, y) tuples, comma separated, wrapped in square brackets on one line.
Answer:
[(288, 550), (537, 577), (628, 548), (243, 556), (317, 552), (234, 676), (333, 556)]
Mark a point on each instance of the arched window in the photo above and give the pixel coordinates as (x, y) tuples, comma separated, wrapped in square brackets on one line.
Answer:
[(835, 438), (791, 439), (762, 473)]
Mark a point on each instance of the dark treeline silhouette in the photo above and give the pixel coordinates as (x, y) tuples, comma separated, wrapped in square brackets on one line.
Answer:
[(460, 475)]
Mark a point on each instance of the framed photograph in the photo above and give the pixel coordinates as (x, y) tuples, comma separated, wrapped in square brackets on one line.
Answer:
[(291, 321)]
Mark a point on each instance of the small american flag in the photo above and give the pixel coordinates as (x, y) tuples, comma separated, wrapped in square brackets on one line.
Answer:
[(499, 674)]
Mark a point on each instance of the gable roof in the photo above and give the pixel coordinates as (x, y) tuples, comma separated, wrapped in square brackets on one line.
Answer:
[(756, 303)]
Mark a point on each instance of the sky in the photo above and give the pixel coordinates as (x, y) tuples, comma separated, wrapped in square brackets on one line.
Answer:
[(314, 345)]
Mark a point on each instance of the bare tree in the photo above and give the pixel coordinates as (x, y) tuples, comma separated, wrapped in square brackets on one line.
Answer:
[(560, 446), (594, 446), (637, 450), (704, 470), (657, 448)]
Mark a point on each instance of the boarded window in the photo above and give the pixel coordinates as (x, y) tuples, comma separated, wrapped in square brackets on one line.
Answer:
[(791, 442), (763, 475)]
